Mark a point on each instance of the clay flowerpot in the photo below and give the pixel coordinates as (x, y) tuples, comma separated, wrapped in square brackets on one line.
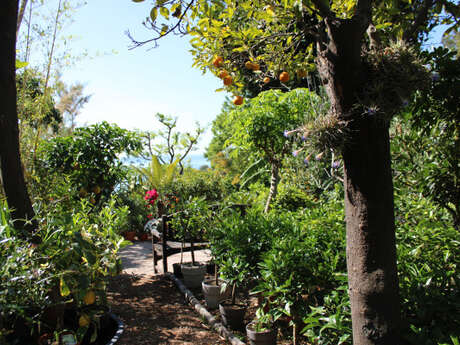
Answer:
[(262, 337), (130, 235), (213, 293), (193, 274), (143, 237), (232, 315)]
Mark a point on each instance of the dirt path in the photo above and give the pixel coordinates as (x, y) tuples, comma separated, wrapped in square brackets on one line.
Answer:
[(151, 307)]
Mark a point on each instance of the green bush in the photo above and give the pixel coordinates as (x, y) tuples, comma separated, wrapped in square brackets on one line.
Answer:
[(88, 159), (67, 270), (428, 264), (195, 183)]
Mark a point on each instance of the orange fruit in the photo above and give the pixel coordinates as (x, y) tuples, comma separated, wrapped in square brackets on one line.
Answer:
[(238, 100), (222, 74), (266, 80), (92, 200), (228, 80), (90, 297), (218, 60), (284, 77), (84, 320), (248, 65), (255, 67)]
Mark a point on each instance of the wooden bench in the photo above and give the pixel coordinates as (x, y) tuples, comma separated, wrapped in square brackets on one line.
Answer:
[(162, 247)]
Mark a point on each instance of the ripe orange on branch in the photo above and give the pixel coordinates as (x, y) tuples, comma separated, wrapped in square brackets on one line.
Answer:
[(222, 74), (266, 80), (284, 77), (228, 80), (238, 100), (218, 60)]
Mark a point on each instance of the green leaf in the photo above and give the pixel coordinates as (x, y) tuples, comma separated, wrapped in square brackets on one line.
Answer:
[(164, 29), (137, 0), (21, 64), (63, 287), (165, 13), (153, 14)]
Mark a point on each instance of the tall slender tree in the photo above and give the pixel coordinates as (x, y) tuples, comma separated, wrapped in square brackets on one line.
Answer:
[(11, 169)]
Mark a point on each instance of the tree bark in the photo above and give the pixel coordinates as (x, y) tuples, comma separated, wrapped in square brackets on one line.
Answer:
[(11, 168), (369, 207), (371, 247), (274, 180)]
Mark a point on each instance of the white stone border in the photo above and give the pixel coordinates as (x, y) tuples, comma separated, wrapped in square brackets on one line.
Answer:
[(211, 320)]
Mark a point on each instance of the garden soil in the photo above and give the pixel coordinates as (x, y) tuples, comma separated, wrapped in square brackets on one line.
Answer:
[(151, 307)]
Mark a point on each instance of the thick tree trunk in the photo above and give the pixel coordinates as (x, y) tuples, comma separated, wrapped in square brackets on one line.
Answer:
[(11, 168), (371, 249), (274, 180)]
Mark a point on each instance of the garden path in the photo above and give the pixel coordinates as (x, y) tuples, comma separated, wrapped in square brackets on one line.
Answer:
[(151, 307), (138, 259)]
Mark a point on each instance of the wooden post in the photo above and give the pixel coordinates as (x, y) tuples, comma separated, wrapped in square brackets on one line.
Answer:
[(163, 244), (155, 258)]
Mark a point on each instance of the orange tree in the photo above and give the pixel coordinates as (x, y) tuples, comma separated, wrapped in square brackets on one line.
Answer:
[(367, 78)]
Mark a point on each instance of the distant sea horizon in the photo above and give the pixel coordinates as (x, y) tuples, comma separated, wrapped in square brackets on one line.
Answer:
[(194, 160)]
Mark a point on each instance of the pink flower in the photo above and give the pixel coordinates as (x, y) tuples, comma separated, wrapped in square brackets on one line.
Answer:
[(150, 216), (151, 195)]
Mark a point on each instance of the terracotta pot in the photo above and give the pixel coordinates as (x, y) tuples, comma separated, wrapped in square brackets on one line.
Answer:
[(143, 237), (130, 235), (265, 337)]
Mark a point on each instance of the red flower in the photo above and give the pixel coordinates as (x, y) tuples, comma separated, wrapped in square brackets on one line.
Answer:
[(150, 216)]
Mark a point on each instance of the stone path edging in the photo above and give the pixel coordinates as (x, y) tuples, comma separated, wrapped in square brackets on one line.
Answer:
[(211, 320)]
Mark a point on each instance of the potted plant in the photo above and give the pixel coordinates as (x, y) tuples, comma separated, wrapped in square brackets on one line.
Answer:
[(235, 273), (190, 223), (261, 330), (215, 290)]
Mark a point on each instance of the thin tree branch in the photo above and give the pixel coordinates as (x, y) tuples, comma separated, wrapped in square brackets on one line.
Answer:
[(20, 15), (420, 21), (155, 39)]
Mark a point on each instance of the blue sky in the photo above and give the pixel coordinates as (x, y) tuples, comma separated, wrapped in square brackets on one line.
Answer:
[(129, 87)]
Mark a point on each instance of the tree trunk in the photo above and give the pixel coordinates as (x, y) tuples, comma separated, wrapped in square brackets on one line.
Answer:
[(371, 247), (369, 208), (11, 167), (274, 180)]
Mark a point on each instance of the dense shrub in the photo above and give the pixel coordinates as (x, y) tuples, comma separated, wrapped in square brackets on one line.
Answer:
[(196, 183), (67, 270)]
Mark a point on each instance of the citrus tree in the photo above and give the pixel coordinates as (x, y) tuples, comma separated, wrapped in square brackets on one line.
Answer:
[(89, 159), (367, 79), (259, 127)]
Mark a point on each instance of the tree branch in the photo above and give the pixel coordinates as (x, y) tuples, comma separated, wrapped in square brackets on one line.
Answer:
[(420, 21), (155, 39)]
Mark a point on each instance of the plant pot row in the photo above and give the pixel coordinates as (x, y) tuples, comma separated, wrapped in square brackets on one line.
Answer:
[(232, 315)]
